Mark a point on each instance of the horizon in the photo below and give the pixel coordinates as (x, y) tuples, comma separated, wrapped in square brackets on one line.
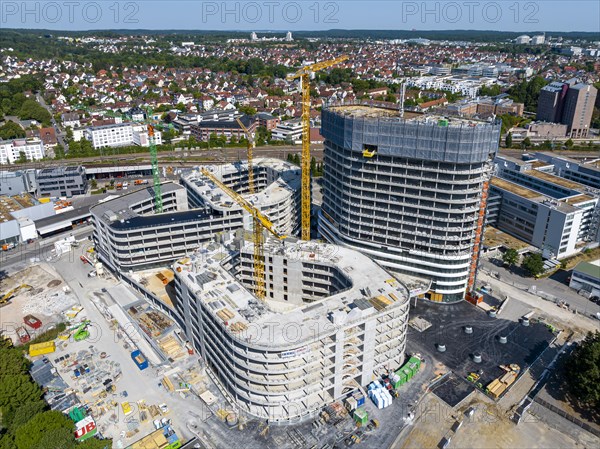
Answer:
[(300, 16)]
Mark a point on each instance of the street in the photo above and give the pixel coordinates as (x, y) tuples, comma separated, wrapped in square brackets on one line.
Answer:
[(548, 286)]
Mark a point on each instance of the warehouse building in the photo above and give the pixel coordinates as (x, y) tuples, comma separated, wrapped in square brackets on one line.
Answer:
[(130, 236), (554, 214), (408, 191), (332, 320)]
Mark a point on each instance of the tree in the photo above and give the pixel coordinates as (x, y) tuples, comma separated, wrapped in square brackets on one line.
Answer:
[(69, 133), (510, 257), (248, 110), (313, 166), (509, 140), (533, 264), (22, 157), (11, 130), (569, 143), (59, 152), (583, 371), (32, 433), (526, 143), (93, 184)]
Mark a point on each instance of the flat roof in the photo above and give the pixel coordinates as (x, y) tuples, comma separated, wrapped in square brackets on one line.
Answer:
[(285, 183), (555, 180), (578, 199), (371, 290), (9, 204), (589, 268), (409, 116), (493, 237), (515, 188), (121, 206)]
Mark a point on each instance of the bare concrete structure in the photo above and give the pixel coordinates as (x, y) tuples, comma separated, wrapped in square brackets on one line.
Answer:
[(333, 318)]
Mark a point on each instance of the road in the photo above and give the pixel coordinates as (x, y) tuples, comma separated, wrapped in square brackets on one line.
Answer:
[(547, 285), (40, 249), (592, 154), (59, 132)]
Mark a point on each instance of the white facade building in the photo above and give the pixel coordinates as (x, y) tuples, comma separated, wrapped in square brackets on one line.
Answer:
[(122, 134), (10, 150)]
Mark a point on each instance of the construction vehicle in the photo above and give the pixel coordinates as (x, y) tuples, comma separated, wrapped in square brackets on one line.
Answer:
[(82, 333), (32, 321), (304, 74), (260, 222), (23, 335), (8, 246), (5, 298)]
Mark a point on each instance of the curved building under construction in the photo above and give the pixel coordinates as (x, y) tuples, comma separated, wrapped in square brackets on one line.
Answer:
[(408, 191)]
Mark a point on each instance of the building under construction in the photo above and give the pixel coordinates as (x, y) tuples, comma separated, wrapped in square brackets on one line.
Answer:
[(409, 191), (331, 320), (129, 235)]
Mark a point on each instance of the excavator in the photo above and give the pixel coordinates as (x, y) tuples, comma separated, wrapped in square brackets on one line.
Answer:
[(5, 298), (82, 333)]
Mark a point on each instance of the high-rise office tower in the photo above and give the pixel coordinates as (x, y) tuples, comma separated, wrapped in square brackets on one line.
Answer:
[(409, 192)]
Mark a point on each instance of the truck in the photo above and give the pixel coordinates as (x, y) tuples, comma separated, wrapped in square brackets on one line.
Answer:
[(23, 335), (139, 359), (32, 321), (139, 182)]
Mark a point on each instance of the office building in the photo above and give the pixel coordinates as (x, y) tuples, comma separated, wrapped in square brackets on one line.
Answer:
[(130, 236), (408, 192), (569, 103), (61, 181), (587, 173), (578, 109), (221, 125), (12, 151), (550, 102), (17, 182), (332, 321), (554, 214)]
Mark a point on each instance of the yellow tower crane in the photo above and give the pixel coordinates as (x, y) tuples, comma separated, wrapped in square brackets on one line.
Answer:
[(260, 222), (304, 75), (251, 146)]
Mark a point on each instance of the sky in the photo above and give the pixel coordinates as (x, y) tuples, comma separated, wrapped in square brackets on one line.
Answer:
[(283, 15)]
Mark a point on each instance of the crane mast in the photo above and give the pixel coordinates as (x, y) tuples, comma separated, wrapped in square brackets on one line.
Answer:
[(304, 75)]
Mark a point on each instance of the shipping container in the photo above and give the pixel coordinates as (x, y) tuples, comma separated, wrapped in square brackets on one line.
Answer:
[(360, 398), (361, 416), (351, 404), (32, 321), (416, 361), (402, 377), (42, 348), (139, 360), (408, 373)]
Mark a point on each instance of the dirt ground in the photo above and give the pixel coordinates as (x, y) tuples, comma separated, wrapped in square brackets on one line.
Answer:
[(489, 427), (44, 300)]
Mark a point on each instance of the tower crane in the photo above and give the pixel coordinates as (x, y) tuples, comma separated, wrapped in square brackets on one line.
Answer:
[(251, 146), (304, 75), (260, 222)]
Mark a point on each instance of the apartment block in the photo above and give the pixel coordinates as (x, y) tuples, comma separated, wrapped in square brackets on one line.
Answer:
[(61, 181), (288, 131), (12, 150), (408, 191), (332, 320), (122, 134), (556, 215)]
